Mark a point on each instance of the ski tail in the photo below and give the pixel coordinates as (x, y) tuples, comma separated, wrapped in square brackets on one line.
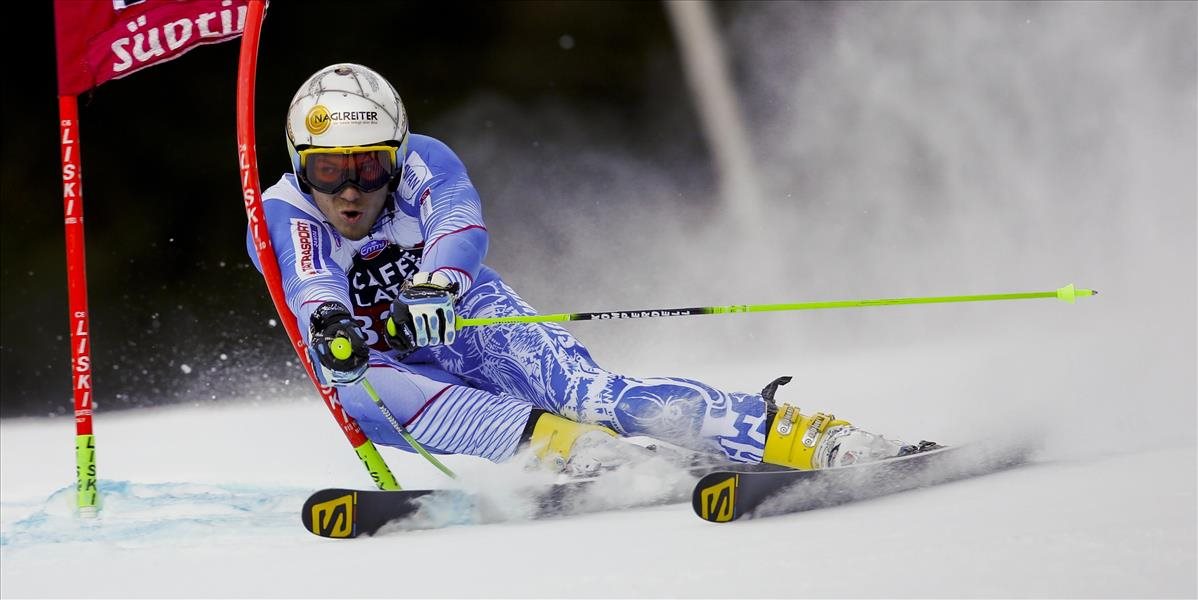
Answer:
[(725, 496)]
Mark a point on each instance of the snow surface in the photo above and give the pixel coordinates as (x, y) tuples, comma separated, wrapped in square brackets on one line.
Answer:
[(1061, 137), (204, 501)]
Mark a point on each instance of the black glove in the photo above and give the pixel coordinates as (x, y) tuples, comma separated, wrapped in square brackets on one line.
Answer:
[(339, 344), (422, 314)]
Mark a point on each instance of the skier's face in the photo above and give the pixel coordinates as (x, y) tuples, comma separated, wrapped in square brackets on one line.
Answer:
[(352, 211)]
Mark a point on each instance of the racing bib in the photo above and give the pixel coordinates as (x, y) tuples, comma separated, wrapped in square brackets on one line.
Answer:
[(380, 268)]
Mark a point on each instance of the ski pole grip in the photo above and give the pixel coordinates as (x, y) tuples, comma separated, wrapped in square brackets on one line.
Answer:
[(341, 348)]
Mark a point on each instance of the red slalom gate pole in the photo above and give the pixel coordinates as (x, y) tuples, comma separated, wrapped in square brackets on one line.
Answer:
[(86, 494), (252, 196)]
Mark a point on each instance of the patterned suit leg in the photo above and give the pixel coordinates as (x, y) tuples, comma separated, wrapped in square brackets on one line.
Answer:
[(444, 415), (545, 365)]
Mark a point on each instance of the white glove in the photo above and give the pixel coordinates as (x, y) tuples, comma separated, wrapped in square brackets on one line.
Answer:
[(422, 314)]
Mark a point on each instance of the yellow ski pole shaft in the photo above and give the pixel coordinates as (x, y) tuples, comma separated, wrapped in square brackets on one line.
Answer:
[(402, 431), (341, 348), (1066, 294)]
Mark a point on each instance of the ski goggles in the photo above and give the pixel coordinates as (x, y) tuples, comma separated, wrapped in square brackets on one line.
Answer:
[(329, 170)]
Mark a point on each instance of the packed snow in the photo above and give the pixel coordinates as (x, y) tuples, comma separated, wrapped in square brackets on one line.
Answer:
[(908, 149), (204, 501)]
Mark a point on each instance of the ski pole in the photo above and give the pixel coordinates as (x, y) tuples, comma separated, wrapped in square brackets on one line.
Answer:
[(1066, 294), (402, 431), (341, 349)]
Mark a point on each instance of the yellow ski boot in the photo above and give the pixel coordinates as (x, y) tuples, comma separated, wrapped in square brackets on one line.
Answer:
[(820, 440), (577, 449)]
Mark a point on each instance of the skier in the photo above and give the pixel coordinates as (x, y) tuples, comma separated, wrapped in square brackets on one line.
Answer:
[(380, 240)]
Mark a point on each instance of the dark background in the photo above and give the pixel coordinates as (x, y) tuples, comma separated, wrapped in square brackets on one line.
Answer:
[(902, 149), (169, 281)]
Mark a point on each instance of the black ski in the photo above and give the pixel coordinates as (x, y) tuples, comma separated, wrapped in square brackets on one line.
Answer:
[(726, 496), (347, 513)]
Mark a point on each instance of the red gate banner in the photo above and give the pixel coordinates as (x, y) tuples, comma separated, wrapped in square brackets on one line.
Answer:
[(99, 40)]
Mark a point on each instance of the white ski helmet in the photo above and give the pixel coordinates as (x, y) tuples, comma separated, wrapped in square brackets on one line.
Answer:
[(346, 105)]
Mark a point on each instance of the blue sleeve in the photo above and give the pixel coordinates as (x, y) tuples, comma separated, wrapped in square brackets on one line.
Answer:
[(451, 219), (303, 248)]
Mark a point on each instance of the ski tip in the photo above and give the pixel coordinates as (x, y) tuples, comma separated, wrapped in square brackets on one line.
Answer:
[(331, 513), (714, 497)]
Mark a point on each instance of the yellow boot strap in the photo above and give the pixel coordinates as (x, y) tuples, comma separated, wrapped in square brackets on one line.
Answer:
[(554, 435), (792, 437)]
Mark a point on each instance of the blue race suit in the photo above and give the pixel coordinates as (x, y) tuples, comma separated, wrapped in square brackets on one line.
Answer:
[(475, 395)]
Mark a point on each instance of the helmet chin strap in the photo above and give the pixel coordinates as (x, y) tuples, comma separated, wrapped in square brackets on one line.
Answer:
[(395, 179), (392, 203), (305, 188)]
